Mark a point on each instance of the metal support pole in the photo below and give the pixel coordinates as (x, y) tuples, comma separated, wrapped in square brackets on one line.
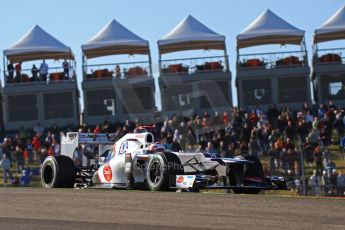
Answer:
[(150, 63), (83, 64), (5, 67), (226, 58), (159, 61)]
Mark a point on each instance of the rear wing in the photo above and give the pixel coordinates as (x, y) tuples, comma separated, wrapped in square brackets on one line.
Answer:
[(71, 140)]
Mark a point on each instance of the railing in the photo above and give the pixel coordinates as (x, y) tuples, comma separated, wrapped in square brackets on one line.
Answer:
[(33, 76), (193, 65), (330, 56), (116, 70), (272, 60)]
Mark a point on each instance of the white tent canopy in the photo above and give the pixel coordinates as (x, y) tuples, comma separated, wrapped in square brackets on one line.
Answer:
[(38, 44), (333, 28), (269, 28), (190, 34), (113, 39)]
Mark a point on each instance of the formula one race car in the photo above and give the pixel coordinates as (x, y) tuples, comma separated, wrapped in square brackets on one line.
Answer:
[(136, 161)]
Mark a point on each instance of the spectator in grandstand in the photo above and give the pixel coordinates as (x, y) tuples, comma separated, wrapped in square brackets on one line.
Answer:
[(222, 149), (97, 129), (327, 123), (190, 139), (290, 179), (65, 66), (339, 126), (43, 71), (166, 128), (210, 149), (18, 68), (29, 149), (333, 180), (10, 70), (302, 131), (274, 157), (38, 130), (43, 154), (19, 158), (298, 186), (323, 138), (340, 184), (290, 131), (318, 159), (325, 181), (167, 142), (289, 155), (5, 165), (321, 111), (225, 118), (34, 72), (177, 135), (253, 144), (314, 136), (23, 134), (326, 156), (315, 182), (8, 148), (175, 146), (36, 143)]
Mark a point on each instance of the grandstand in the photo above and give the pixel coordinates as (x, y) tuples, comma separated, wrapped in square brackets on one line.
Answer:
[(280, 78), (193, 84), (328, 63), (120, 91), (31, 97)]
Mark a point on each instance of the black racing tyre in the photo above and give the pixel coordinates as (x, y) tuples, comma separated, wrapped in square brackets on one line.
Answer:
[(58, 172), (157, 174), (252, 170), (174, 167)]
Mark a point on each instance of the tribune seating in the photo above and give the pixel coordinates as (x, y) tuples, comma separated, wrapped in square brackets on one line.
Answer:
[(177, 68), (102, 73), (58, 76), (136, 71), (288, 61), (330, 58)]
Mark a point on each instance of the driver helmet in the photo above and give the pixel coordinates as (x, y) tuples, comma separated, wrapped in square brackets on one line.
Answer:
[(156, 147)]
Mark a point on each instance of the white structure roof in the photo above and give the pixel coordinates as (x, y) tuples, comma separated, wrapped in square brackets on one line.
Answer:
[(269, 28), (38, 44), (113, 39), (333, 28), (190, 34)]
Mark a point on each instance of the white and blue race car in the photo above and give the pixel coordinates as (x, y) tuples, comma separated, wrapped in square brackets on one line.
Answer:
[(136, 161)]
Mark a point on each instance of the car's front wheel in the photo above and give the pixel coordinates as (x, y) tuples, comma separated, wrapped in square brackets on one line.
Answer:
[(157, 173)]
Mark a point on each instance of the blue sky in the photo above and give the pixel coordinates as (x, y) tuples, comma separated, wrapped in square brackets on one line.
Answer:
[(74, 22)]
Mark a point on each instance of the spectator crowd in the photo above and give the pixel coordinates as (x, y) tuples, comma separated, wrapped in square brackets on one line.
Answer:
[(282, 136)]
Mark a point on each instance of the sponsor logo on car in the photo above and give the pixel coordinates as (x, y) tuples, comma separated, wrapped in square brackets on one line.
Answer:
[(185, 181), (180, 179), (107, 173), (123, 147)]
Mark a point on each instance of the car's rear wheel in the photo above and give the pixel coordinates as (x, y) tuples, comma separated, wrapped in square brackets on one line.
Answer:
[(58, 172), (254, 170)]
